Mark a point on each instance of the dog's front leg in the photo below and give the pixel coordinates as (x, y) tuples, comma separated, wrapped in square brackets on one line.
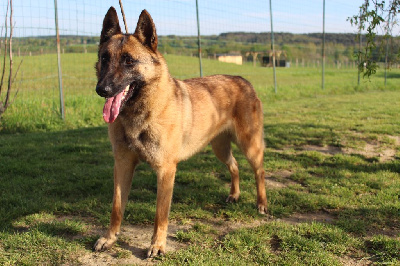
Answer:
[(124, 167), (165, 185)]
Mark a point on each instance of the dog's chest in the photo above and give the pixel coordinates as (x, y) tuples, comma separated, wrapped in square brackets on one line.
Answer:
[(142, 140)]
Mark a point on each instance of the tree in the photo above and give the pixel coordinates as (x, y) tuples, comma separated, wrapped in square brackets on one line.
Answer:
[(374, 15), (6, 103)]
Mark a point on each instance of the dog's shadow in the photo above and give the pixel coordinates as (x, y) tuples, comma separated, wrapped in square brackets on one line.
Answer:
[(140, 253)]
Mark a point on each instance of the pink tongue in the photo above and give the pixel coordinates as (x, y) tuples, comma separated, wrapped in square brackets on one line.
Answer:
[(111, 108)]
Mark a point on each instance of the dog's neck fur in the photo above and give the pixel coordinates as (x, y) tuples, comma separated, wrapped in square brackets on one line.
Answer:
[(147, 106)]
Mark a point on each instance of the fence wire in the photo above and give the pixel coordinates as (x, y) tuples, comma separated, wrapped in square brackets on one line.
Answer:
[(228, 28)]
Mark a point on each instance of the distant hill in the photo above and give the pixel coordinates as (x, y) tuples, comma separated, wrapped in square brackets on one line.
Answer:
[(282, 38), (295, 46)]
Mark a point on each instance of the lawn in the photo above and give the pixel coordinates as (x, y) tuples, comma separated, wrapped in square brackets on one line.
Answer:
[(332, 163)]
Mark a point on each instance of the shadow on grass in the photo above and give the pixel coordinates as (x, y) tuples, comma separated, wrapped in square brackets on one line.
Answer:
[(354, 162), (65, 171), (287, 134), (70, 173)]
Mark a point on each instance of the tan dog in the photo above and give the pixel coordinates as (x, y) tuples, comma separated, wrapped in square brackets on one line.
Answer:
[(161, 120)]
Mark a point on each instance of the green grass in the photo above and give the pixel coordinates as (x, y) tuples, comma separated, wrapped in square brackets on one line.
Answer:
[(56, 177), (274, 243), (36, 107)]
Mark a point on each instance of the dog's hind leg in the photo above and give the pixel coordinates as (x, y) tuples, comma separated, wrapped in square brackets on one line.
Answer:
[(221, 146), (250, 139), (255, 154), (124, 166)]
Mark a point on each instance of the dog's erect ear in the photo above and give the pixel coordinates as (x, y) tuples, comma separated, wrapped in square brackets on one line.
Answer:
[(110, 25), (146, 31)]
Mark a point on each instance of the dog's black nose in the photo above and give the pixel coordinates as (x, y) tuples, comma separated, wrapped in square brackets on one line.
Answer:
[(103, 91)]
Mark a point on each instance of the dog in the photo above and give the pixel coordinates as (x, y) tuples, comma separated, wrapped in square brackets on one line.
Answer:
[(155, 118)]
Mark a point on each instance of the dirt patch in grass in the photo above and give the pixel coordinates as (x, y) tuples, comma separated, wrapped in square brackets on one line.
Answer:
[(320, 217), (280, 174), (273, 184), (279, 179), (383, 147), (392, 232), (332, 150), (349, 261), (132, 245), (370, 150), (373, 150)]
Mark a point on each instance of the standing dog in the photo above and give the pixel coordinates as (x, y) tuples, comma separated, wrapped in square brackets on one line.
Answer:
[(161, 120)]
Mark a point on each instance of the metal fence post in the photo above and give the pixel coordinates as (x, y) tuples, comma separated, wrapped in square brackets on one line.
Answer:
[(272, 46), (359, 50), (387, 47), (198, 37), (62, 108), (323, 48)]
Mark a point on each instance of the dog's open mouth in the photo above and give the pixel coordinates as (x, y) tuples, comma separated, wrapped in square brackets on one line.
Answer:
[(113, 105)]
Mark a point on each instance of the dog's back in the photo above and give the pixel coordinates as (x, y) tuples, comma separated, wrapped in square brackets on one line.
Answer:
[(218, 104)]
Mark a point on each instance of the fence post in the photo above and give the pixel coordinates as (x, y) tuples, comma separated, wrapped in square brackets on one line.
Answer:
[(323, 47), (198, 37), (359, 50), (62, 109), (387, 48), (272, 45)]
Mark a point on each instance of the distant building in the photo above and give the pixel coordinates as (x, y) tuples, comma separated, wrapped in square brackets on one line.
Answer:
[(230, 58), (267, 62), (279, 61)]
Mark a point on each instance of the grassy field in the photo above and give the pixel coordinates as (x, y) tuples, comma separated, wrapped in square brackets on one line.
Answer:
[(37, 106), (332, 162)]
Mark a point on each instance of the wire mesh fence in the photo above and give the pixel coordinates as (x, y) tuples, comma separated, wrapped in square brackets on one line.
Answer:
[(229, 27), (80, 24), (236, 32)]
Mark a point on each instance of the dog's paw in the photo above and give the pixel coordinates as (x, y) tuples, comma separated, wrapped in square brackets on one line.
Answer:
[(104, 243), (262, 209), (232, 198), (155, 250)]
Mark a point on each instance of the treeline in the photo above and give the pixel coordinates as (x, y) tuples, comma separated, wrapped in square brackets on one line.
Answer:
[(47, 44), (338, 47)]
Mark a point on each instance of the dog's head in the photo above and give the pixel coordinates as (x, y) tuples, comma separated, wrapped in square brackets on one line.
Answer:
[(126, 62)]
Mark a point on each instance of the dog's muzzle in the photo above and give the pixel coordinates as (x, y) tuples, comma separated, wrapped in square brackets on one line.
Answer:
[(104, 91)]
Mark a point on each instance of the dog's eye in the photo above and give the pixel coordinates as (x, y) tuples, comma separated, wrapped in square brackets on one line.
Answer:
[(129, 60), (104, 58)]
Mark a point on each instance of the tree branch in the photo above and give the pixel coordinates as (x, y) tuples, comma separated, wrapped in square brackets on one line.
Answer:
[(5, 50), (11, 59)]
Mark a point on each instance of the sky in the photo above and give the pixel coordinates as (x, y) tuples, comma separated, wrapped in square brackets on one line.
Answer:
[(178, 17)]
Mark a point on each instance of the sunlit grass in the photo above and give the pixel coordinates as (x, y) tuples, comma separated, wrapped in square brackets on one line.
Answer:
[(37, 105)]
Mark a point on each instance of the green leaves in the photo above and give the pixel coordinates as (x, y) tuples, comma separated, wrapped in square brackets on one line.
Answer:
[(372, 21)]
